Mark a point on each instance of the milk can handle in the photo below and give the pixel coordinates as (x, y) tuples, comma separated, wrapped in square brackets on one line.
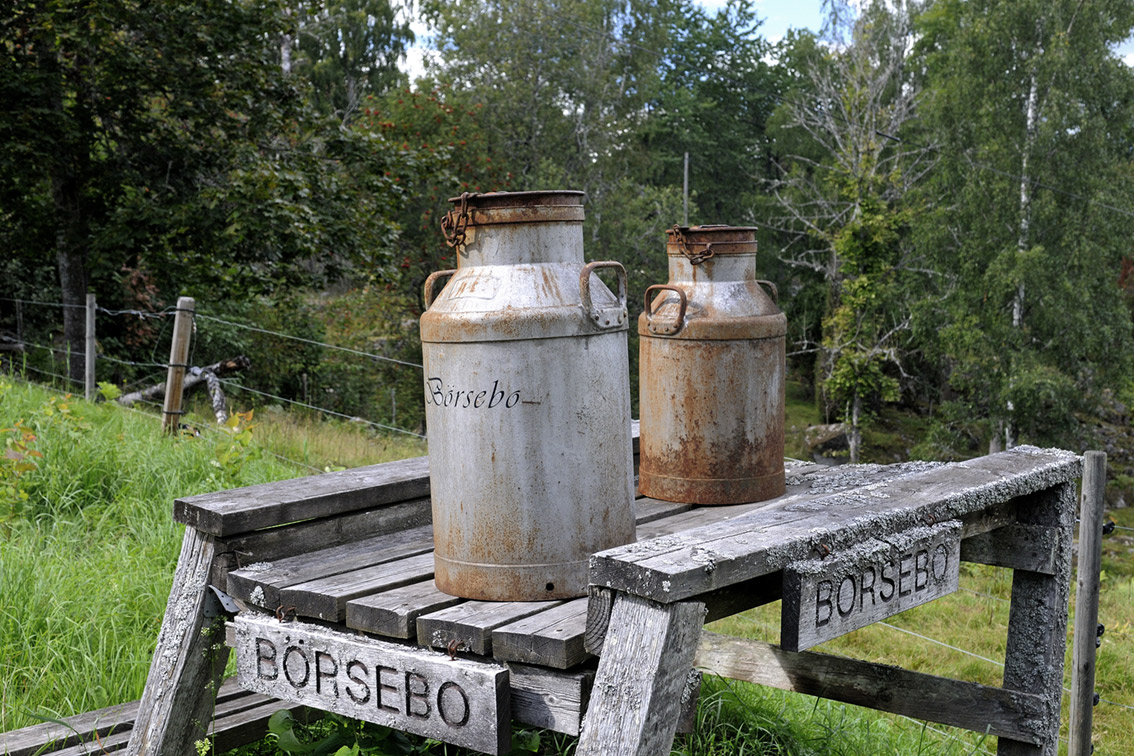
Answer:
[(775, 291), (430, 282), (667, 329), (585, 286)]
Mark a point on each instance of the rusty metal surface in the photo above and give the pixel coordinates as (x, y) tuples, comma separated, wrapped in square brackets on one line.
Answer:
[(712, 368), (527, 405)]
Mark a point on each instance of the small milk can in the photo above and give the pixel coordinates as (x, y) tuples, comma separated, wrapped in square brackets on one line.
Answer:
[(527, 401), (711, 383)]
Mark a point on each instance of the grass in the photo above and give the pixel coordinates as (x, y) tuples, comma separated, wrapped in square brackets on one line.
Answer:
[(85, 571)]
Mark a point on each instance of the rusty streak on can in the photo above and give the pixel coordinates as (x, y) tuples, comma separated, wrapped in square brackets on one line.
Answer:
[(527, 401), (712, 368)]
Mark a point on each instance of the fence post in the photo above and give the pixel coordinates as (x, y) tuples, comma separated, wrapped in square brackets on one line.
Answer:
[(1092, 504), (171, 411), (89, 349)]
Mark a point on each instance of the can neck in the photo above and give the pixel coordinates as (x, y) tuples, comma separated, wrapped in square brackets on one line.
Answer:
[(522, 244), (717, 269)]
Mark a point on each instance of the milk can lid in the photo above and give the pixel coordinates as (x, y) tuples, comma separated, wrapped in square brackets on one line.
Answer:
[(519, 207)]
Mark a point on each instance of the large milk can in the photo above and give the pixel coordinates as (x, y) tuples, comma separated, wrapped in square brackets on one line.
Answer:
[(527, 401), (711, 383)]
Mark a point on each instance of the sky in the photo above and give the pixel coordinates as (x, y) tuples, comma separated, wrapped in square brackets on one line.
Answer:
[(778, 15)]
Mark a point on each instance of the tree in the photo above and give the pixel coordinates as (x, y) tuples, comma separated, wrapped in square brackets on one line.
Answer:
[(166, 138), (347, 49), (1032, 113), (847, 170)]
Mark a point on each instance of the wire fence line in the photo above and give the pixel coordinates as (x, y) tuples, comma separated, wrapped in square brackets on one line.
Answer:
[(198, 315)]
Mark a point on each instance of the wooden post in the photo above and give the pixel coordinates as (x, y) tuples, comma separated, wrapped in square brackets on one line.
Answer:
[(1037, 622), (90, 349), (178, 358), (189, 661), (636, 701), (1092, 504)]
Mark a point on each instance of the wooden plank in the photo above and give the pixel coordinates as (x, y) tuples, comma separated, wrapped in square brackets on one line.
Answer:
[(409, 688), (952, 702), (241, 510), (260, 583), (87, 727), (468, 626), (1092, 509), (636, 700), (326, 598), (826, 598), (394, 613), (548, 698), (798, 526), (1037, 622), (552, 638), (187, 663), (1017, 547), (312, 535), (117, 741)]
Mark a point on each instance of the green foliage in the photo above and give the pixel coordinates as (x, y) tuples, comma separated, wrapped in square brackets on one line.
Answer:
[(234, 449)]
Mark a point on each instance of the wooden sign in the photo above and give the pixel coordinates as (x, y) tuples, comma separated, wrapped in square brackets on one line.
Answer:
[(458, 701), (826, 598)]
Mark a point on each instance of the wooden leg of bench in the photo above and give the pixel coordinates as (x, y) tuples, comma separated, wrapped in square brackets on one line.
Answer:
[(1037, 622), (646, 657), (185, 673)]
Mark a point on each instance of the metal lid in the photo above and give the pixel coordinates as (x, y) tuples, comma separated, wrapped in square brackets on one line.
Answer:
[(699, 243), (517, 207)]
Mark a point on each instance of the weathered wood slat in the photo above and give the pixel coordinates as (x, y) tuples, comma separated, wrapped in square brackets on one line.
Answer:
[(305, 537), (952, 702), (394, 613), (548, 698), (636, 701), (242, 510), (469, 626), (1037, 622), (551, 638), (187, 660), (326, 598), (260, 583), (648, 510), (672, 568), (1017, 547)]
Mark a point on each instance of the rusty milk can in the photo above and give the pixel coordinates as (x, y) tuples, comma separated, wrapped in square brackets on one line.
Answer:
[(527, 401), (711, 382)]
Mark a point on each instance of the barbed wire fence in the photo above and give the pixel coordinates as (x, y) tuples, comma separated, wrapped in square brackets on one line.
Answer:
[(25, 351)]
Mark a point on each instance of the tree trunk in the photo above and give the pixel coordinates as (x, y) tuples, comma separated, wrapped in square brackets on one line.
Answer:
[(854, 435)]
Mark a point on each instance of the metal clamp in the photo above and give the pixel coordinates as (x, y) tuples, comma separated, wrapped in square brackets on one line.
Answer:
[(604, 317), (455, 226), (667, 329), (430, 282)]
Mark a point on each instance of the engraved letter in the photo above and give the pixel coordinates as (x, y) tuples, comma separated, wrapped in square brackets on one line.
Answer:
[(512, 399), (302, 682), (322, 671), (903, 573), (480, 399), (921, 570), (421, 694), (864, 587), (940, 556), (886, 581), (382, 686), (823, 602), (365, 697), (839, 598), (443, 707), (263, 645)]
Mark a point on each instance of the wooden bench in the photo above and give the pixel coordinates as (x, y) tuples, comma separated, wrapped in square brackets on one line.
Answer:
[(239, 717), (332, 579)]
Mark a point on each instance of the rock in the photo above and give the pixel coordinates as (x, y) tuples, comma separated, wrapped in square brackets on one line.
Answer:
[(827, 441)]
